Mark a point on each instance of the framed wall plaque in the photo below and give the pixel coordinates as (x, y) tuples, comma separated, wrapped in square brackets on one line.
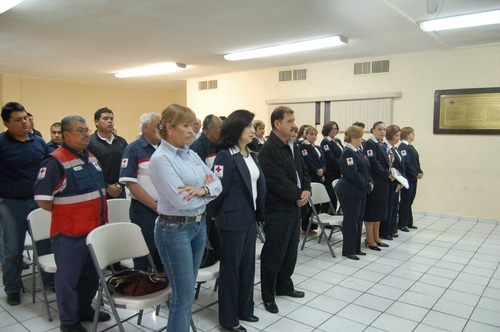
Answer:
[(467, 111)]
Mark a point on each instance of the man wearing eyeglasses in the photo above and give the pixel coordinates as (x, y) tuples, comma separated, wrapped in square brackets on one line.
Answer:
[(108, 149), (70, 184)]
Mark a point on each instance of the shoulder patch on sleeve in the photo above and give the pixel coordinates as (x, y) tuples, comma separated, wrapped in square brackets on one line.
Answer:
[(219, 171), (369, 153), (403, 153), (304, 152), (124, 162), (326, 147), (97, 167), (350, 161), (41, 173)]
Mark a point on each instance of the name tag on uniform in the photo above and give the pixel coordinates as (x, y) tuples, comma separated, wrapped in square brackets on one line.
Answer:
[(350, 161), (77, 168), (369, 153)]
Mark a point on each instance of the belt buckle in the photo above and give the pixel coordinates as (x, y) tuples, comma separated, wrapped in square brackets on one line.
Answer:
[(198, 218)]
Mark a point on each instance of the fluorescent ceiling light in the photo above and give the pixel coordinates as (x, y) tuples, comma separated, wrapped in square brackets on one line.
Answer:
[(160, 68), (5, 5), (463, 21), (287, 48)]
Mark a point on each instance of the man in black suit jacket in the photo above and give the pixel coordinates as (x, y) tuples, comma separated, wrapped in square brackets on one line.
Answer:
[(288, 188)]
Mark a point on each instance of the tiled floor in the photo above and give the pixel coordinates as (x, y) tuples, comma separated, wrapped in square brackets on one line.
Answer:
[(445, 276)]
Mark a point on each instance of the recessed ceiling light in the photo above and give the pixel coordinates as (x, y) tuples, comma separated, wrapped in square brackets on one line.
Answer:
[(463, 21), (160, 68), (5, 5), (307, 45)]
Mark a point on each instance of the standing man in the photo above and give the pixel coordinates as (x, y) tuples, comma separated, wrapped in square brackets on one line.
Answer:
[(204, 147), (55, 137), (20, 155), (32, 126), (196, 131), (288, 189), (134, 173), (70, 184), (108, 149)]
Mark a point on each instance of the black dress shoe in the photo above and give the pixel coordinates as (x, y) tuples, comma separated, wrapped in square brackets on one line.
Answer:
[(14, 299), (387, 238), (77, 327), (89, 317), (251, 319), (353, 257), (413, 227), (239, 328), (361, 253), (382, 244), (404, 229), (294, 293), (395, 235), (373, 247), (271, 307)]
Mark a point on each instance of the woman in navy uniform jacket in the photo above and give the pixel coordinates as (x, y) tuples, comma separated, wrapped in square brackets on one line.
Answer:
[(315, 162), (236, 211), (413, 173), (356, 182), (377, 200), (388, 230), (332, 148)]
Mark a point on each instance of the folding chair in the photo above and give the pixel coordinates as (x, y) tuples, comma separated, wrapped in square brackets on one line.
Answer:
[(39, 229), (319, 195), (112, 243), (118, 210)]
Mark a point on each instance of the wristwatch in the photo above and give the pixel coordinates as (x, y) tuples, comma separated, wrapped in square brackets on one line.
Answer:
[(207, 191)]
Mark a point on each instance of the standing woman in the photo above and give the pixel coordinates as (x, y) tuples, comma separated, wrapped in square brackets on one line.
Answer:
[(388, 230), (377, 200), (332, 148), (413, 174), (236, 210), (315, 162), (356, 182), (260, 129), (184, 185)]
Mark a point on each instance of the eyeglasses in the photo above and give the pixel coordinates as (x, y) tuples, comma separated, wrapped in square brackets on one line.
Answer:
[(81, 131)]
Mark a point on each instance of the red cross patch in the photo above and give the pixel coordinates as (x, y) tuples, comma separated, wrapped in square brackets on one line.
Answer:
[(42, 172), (304, 152), (350, 161), (219, 170), (124, 162), (369, 153), (326, 147), (96, 165), (403, 153)]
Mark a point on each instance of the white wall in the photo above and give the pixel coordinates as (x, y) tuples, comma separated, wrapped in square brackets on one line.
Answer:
[(450, 162)]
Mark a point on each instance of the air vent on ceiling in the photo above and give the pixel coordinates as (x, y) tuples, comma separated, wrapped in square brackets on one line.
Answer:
[(204, 85), (295, 75), (373, 67)]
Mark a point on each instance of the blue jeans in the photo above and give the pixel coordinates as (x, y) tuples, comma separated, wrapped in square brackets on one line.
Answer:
[(145, 218), (14, 224), (181, 248)]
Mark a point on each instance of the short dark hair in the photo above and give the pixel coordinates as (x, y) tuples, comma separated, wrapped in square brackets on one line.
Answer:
[(279, 114), (231, 129), (359, 124), (375, 125), (29, 114), (328, 126), (100, 111), (56, 124), (208, 122), (10, 108)]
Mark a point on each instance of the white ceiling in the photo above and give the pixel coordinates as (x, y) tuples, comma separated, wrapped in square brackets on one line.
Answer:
[(90, 40)]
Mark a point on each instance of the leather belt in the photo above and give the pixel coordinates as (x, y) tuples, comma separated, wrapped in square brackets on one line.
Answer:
[(183, 219)]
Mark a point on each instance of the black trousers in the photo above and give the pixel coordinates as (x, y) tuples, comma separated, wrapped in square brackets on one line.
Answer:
[(354, 210), (388, 227), (279, 254), (407, 198), (237, 275)]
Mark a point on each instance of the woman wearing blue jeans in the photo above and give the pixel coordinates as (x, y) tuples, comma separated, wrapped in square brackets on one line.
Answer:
[(185, 185)]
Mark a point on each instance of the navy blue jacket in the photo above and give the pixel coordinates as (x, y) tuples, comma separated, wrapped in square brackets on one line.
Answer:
[(356, 175), (313, 161), (411, 160), (234, 208), (332, 157)]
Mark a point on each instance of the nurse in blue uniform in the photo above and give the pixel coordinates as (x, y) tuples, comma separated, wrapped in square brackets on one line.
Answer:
[(356, 182), (236, 210), (314, 159), (377, 200), (332, 148)]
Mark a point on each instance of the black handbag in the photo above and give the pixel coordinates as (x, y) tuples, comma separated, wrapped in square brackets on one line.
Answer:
[(137, 283)]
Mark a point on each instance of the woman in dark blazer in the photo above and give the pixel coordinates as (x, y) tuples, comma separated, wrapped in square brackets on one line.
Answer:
[(356, 182), (314, 159), (332, 148), (377, 200), (236, 210), (388, 230), (413, 174)]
